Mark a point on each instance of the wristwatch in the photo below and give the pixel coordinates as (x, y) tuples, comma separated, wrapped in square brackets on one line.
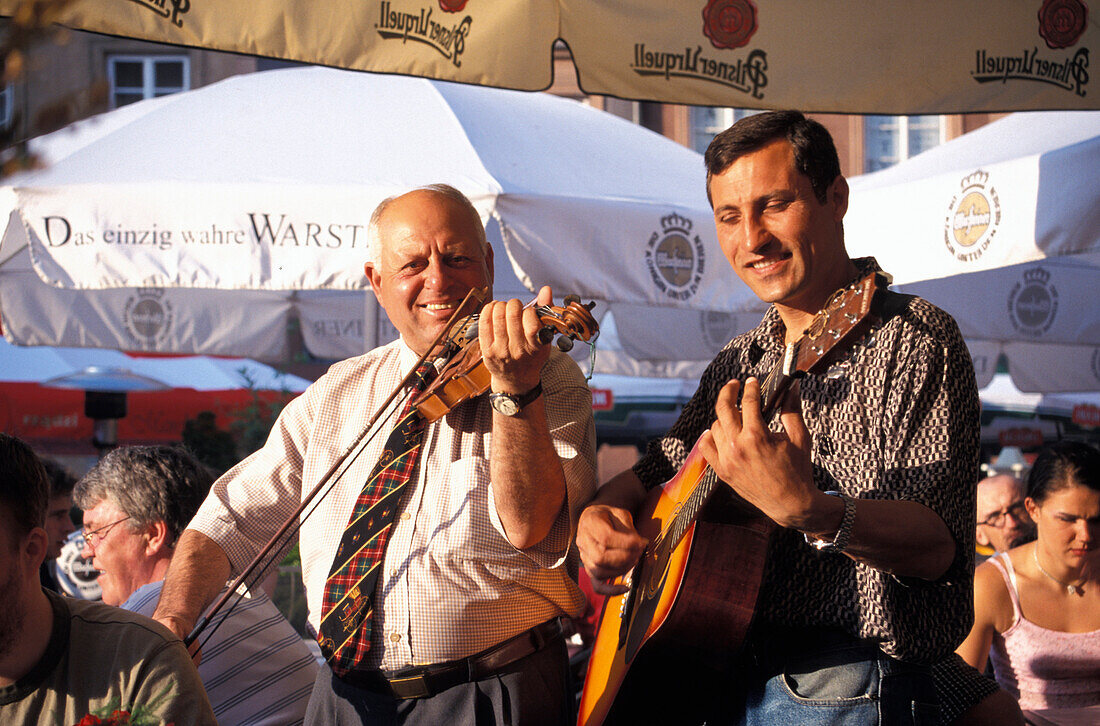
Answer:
[(509, 404), (840, 540)]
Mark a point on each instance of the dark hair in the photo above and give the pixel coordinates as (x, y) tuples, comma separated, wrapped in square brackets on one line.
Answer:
[(62, 481), (814, 152), (1062, 464), (149, 484), (24, 488)]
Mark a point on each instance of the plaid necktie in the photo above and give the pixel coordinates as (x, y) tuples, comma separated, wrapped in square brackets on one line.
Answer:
[(346, 609)]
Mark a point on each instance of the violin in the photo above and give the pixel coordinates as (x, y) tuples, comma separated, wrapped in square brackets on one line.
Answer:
[(465, 376)]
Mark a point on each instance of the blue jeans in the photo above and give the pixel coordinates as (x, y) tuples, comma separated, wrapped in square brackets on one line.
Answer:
[(847, 682)]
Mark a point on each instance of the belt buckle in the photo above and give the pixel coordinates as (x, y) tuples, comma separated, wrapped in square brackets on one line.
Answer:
[(407, 687)]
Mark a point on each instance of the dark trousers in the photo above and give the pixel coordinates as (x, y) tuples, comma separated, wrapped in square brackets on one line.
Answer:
[(533, 691)]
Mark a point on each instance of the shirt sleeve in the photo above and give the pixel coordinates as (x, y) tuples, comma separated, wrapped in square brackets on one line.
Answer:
[(249, 502), (932, 428)]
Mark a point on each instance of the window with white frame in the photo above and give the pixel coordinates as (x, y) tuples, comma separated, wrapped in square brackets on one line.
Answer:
[(890, 139), (137, 77), (706, 122)]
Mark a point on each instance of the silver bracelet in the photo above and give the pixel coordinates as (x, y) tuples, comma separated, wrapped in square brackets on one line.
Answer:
[(840, 539)]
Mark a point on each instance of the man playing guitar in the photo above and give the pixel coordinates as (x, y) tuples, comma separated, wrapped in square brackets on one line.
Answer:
[(868, 471)]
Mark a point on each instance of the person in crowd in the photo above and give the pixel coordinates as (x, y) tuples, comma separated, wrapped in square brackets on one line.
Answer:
[(136, 501), (868, 473), (453, 613), (1037, 606), (65, 661), (59, 520), (1003, 521)]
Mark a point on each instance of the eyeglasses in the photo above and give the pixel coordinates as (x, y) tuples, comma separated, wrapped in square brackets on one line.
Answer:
[(997, 519), (94, 538)]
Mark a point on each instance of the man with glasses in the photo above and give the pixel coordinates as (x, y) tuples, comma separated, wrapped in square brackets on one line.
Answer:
[(136, 501), (1003, 522)]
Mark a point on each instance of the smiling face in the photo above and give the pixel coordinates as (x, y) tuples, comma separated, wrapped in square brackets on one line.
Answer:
[(781, 241), (1068, 520), (120, 554), (431, 256)]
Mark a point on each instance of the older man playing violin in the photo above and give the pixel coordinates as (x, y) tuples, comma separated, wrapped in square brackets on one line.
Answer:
[(437, 568)]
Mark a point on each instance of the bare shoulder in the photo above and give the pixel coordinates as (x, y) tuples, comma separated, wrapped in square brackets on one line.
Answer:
[(992, 603)]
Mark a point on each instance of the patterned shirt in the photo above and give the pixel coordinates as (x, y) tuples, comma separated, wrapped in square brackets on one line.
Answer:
[(452, 583), (895, 418)]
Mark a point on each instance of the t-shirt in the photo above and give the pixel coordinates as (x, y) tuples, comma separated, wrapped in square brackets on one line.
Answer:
[(101, 659)]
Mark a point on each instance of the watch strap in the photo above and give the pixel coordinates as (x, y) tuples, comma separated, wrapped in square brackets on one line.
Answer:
[(843, 533), (525, 398)]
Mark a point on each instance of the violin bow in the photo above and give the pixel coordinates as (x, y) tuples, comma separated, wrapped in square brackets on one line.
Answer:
[(478, 295)]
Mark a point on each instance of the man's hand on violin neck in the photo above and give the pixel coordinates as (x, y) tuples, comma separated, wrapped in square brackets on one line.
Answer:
[(508, 335)]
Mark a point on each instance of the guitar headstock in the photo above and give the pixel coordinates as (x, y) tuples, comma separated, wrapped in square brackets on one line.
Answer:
[(847, 313)]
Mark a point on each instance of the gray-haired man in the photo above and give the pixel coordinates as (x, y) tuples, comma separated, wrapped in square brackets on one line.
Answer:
[(136, 501)]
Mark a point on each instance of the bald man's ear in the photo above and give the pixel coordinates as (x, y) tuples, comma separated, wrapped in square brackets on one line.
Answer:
[(374, 278)]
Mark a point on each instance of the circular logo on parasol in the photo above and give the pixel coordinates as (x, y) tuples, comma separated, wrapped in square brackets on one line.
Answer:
[(148, 316), (452, 6), (1061, 22), (675, 259), (972, 218), (729, 23), (1033, 303)]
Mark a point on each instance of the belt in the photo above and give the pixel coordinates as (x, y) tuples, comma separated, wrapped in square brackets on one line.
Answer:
[(426, 681)]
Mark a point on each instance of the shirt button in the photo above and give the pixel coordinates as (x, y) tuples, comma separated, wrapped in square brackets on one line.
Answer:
[(393, 572), (405, 515), (395, 637)]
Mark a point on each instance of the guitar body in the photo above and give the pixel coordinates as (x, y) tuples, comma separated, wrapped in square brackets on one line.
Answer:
[(698, 595), (693, 592)]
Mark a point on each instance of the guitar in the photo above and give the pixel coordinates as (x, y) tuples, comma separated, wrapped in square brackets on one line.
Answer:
[(695, 586)]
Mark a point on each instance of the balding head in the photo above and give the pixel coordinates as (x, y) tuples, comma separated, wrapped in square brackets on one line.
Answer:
[(430, 252), (1003, 522)]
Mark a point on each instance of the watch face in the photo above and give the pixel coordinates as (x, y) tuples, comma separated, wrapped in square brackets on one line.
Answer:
[(504, 404)]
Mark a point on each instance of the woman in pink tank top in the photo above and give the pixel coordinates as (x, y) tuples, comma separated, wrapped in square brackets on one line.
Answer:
[(1037, 606)]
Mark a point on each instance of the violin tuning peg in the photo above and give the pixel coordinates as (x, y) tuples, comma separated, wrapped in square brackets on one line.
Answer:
[(568, 299), (565, 343), (590, 304), (546, 334)]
